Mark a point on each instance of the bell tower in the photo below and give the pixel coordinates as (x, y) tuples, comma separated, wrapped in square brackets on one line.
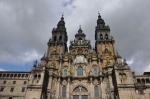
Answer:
[(104, 42), (58, 42)]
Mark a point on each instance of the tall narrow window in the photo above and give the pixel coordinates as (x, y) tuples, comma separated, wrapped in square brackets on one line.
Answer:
[(24, 82), (60, 38), (54, 38), (106, 36), (35, 76), (39, 76), (0, 75), (96, 91), (80, 71), (23, 89), (65, 73), (64, 91), (11, 89), (95, 72), (4, 82), (1, 89), (14, 82), (101, 36)]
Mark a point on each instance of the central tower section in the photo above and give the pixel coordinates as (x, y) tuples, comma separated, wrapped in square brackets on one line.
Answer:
[(104, 43), (80, 48)]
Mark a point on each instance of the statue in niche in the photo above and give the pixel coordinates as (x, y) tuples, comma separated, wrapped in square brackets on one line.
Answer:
[(35, 63), (124, 62)]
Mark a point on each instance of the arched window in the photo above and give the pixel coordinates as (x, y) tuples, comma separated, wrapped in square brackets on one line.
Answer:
[(124, 75), (54, 38), (101, 36), (80, 71), (39, 76), (147, 80), (76, 89), (106, 36), (83, 89), (80, 41), (138, 81), (80, 89), (65, 73), (64, 91), (80, 93), (60, 38), (95, 72), (35, 76), (96, 91), (143, 80)]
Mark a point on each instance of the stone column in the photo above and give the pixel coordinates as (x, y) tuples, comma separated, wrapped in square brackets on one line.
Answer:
[(68, 88), (69, 72), (100, 88), (58, 89), (60, 67), (50, 85), (90, 67), (110, 83), (91, 88), (100, 67)]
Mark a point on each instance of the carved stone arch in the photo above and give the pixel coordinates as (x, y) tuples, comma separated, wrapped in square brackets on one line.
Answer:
[(80, 65), (79, 86), (65, 66), (94, 66)]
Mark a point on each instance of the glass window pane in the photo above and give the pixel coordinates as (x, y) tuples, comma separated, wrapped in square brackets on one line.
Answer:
[(96, 91), (80, 71), (83, 89), (75, 97), (95, 72), (76, 89), (65, 73), (64, 91), (84, 97)]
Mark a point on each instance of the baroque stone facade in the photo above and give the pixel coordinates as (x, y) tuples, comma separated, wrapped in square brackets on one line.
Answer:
[(82, 72)]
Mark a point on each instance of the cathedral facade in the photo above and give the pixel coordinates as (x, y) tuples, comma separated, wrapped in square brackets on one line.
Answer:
[(77, 72)]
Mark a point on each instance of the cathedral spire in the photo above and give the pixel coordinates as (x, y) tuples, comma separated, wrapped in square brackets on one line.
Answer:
[(100, 21), (62, 18), (61, 24), (80, 30)]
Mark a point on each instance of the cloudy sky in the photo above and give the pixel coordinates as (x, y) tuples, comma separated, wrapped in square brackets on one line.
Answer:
[(25, 27)]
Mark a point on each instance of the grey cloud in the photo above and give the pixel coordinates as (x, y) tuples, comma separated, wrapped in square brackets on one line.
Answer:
[(25, 25)]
